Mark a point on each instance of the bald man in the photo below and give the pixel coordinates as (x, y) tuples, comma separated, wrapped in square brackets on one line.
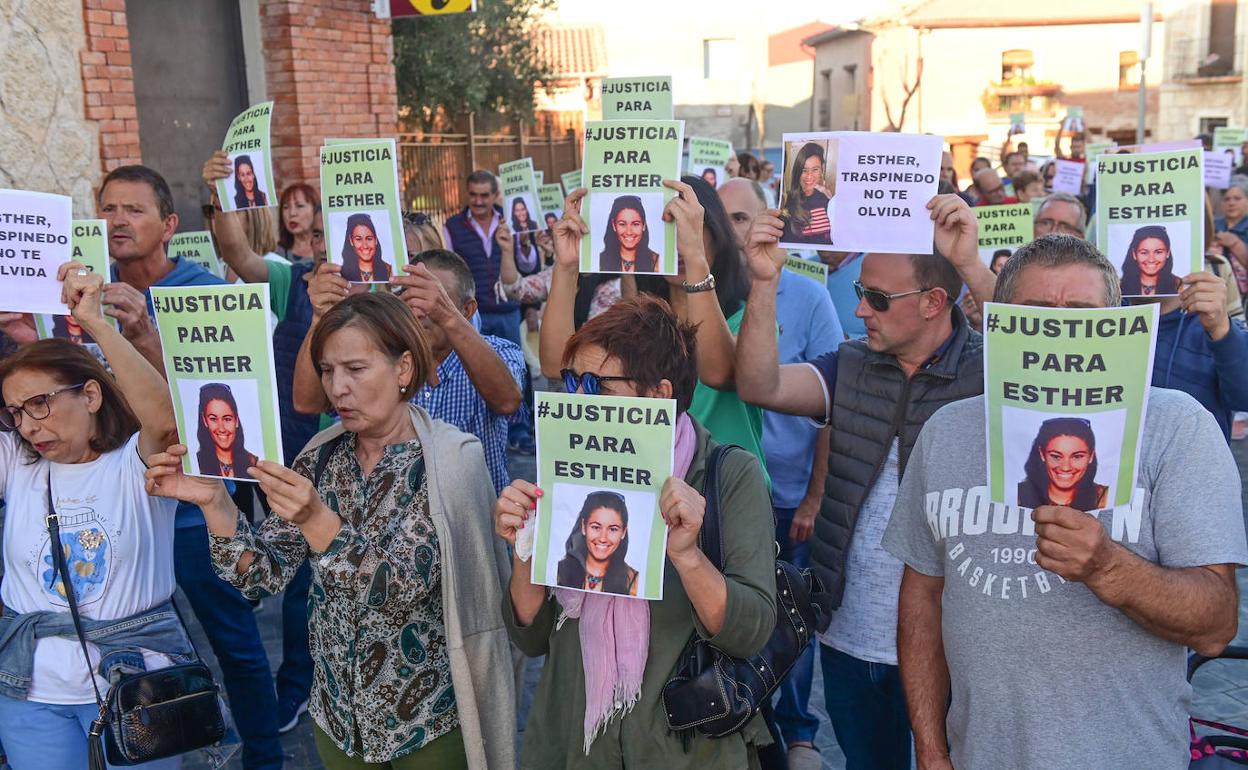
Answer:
[(991, 189)]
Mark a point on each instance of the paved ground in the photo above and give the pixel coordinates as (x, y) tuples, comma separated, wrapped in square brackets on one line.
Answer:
[(1221, 687)]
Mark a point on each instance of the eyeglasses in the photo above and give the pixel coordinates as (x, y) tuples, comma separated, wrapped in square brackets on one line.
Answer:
[(588, 381), (1053, 224), (878, 300), (37, 407)]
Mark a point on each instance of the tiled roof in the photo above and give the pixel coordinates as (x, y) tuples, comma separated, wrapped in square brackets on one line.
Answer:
[(575, 51)]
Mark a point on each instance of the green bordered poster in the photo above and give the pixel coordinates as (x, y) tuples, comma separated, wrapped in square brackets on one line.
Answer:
[(571, 180), (250, 182), (602, 462), (1018, 123), (1150, 218), (539, 177), (1092, 151), (362, 209), (644, 98), (518, 188), (707, 159), (815, 271), (624, 167), (551, 198), (35, 234), (1230, 138), (89, 245), (1003, 229), (1066, 391), (217, 343), (197, 246)]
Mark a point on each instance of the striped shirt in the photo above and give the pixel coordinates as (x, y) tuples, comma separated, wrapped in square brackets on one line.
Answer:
[(457, 401), (819, 224)]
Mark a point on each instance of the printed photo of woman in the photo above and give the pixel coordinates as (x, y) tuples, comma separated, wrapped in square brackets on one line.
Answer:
[(66, 328), (807, 196), (1061, 467), (220, 435), (626, 240), (247, 192), (597, 546), (521, 219), (362, 257), (1148, 269)]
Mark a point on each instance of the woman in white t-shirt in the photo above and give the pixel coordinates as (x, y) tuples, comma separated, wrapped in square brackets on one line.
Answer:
[(75, 431)]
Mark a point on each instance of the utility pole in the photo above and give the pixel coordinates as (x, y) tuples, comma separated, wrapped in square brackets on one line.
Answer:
[(1146, 31)]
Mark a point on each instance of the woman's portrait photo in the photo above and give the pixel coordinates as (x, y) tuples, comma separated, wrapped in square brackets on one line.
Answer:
[(1148, 266), (809, 187), (366, 246), (625, 233), (552, 218), (66, 328), (711, 176), (523, 212), (1062, 465), (596, 552), (220, 412), (248, 181)]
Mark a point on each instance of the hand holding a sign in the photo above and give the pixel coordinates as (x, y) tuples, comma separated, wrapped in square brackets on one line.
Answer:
[(503, 237), (957, 230), (682, 508), (1071, 544), (763, 255), (327, 288), (165, 478), (569, 231), (216, 168), (687, 213), (515, 506), (81, 291), (1204, 295), (294, 498)]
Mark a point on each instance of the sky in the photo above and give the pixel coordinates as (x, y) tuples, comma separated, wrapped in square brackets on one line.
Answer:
[(775, 14)]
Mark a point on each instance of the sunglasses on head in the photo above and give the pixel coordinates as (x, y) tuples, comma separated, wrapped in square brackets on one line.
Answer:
[(878, 300), (416, 218), (588, 382)]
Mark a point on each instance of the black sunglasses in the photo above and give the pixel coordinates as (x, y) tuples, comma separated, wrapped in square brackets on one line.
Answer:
[(878, 300), (588, 381)]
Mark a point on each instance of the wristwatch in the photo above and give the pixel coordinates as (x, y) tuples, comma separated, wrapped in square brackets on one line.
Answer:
[(706, 284)]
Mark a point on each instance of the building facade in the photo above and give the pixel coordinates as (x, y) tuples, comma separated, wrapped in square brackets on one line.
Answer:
[(1204, 85)]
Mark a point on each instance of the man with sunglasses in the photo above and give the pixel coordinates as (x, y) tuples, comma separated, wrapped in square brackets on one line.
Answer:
[(919, 354)]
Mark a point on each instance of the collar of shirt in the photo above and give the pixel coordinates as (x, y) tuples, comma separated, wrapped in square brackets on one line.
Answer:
[(487, 239)]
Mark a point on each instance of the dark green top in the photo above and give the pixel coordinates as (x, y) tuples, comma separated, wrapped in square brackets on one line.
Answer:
[(554, 735)]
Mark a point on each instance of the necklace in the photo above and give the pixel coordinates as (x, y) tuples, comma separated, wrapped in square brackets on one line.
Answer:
[(227, 469), (593, 582)]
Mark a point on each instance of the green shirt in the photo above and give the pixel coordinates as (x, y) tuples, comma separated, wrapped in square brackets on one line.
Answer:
[(554, 734), (729, 419), (279, 287)]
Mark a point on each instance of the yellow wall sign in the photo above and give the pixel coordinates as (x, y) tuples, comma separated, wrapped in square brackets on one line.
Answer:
[(398, 8)]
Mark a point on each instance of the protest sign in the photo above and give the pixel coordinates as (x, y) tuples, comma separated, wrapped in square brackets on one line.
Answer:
[(89, 246), (519, 192), (707, 158), (217, 343), (1065, 392), (1218, 169), (807, 268), (196, 245), (551, 198), (1018, 123), (571, 181), (1073, 122), (1091, 151), (539, 177), (1068, 177), (360, 200), (859, 191), (601, 463), (35, 232), (1150, 218), (1003, 228), (250, 182), (648, 98), (399, 8), (1229, 138), (624, 167)]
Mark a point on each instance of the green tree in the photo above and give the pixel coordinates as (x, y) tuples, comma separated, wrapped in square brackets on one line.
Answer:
[(483, 62)]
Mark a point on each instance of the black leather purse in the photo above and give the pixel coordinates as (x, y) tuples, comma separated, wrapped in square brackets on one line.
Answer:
[(145, 716), (715, 693)]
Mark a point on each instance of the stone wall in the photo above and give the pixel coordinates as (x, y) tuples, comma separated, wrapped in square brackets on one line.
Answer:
[(47, 143)]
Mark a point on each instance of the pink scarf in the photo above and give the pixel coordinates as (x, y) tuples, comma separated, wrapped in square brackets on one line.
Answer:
[(615, 630)]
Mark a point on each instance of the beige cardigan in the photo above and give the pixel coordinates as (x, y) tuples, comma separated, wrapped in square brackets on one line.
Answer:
[(475, 571)]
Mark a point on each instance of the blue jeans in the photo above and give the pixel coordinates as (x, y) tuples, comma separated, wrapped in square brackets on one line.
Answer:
[(793, 715), (47, 736), (868, 711), (294, 676), (230, 625)]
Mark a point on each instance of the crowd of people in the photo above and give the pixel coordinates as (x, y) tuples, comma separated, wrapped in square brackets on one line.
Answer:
[(392, 527)]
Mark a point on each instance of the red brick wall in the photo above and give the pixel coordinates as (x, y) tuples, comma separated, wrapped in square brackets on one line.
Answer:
[(329, 65), (108, 82)]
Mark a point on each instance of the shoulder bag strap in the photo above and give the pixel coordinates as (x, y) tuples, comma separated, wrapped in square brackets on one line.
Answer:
[(710, 537)]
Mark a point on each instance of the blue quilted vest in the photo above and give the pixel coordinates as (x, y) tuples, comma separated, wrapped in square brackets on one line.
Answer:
[(466, 243)]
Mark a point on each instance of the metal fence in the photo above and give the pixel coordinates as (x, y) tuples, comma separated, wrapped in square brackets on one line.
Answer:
[(433, 167)]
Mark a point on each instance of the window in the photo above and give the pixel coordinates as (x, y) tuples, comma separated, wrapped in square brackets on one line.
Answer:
[(1128, 71), (1016, 66), (1208, 124), (1221, 58), (720, 57)]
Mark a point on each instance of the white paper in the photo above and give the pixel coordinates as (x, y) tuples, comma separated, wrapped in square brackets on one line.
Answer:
[(1069, 177), (35, 239), (1218, 168)]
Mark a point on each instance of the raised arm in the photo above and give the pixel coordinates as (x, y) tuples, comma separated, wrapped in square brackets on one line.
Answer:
[(957, 239), (142, 385), (507, 272), (228, 227), (558, 319), (326, 289), (760, 379), (924, 672)]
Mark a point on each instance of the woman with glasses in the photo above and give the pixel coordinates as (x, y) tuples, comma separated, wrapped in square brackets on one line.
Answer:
[(74, 441), (599, 704)]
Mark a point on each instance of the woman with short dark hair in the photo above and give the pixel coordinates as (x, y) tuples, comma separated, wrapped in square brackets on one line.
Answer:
[(412, 665), (72, 445)]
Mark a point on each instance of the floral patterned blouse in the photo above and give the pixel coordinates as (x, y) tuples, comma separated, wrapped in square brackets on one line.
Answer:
[(382, 685)]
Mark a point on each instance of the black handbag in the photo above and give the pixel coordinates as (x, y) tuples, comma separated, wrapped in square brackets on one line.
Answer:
[(149, 715), (715, 693)]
